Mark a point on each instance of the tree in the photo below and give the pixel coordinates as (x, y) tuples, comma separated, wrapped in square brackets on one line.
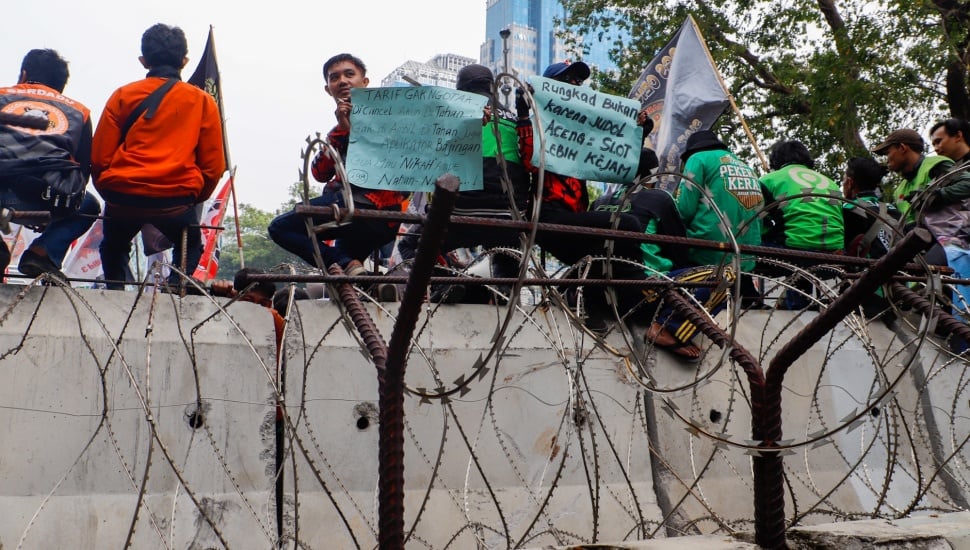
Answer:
[(955, 25), (259, 251), (839, 76)]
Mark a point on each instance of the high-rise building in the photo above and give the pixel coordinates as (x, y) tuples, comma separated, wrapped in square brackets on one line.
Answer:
[(534, 38), (440, 70)]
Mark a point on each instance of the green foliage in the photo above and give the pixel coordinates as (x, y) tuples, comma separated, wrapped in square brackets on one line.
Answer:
[(838, 76), (258, 250)]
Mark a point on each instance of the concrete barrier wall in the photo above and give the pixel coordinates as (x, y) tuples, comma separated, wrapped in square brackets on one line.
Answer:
[(105, 444), (153, 419)]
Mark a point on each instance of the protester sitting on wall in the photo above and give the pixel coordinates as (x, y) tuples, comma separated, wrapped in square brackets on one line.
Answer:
[(494, 200), (810, 223), (565, 201), (353, 242), (656, 210), (157, 166), (657, 214), (869, 222), (707, 162), (946, 213), (35, 165), (904, 155), (865, 234)]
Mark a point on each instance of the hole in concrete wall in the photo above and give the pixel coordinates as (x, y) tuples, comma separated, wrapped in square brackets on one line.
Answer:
[(195, 419), (365, 415), (715, 416), (195, 415)]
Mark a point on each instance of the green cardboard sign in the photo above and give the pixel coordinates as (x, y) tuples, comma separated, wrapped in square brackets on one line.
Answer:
[(404, 139), (589, 135)]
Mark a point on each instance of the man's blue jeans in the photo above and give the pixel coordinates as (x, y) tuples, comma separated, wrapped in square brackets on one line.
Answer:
[(58, 235)]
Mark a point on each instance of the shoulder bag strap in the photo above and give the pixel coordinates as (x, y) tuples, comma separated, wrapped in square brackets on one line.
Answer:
[(148, 106)]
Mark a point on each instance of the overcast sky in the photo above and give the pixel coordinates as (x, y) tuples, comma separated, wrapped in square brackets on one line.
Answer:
[(270, 55)]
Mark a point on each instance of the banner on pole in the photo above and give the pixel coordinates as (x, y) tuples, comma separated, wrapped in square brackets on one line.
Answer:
[(683, 93)]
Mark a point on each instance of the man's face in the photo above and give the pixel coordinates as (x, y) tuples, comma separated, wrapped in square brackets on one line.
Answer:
[(896, 157), (848, 187), (342, 77), (947, 145)]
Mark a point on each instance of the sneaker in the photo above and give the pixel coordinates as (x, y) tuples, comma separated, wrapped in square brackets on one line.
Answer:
[(34, 265), (386, 293), (354, 268)]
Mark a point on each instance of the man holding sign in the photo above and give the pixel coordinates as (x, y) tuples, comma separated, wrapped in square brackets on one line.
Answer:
[(586, 134), (356, 240)]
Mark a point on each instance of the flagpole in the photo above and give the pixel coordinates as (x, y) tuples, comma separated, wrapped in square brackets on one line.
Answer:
[(225, 144), (734, 106), (235, 216)]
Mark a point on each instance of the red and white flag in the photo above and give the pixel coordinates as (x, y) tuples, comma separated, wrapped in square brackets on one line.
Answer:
[(215, 210), (83, 260)]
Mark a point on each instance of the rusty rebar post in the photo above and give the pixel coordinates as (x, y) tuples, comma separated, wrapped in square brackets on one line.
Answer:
[(684, 308), (768, 466), (391, 379), (944, 320), (362, 321)]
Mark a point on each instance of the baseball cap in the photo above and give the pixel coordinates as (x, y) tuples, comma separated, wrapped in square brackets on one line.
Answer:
[(577, 70), (904, 135)]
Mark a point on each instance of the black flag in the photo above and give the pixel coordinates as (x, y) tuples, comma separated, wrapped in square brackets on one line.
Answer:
[(206, 77)]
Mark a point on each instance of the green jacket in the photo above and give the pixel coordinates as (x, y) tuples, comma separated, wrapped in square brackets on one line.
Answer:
[(806, 223), (735, 190)]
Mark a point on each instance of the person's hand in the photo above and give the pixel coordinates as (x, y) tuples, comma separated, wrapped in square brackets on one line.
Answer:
[(644, 121), (343, 113), (486, 114), (521, 104)]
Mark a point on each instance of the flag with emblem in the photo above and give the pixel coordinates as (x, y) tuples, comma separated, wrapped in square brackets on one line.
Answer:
[(206, 77), (683, 93)]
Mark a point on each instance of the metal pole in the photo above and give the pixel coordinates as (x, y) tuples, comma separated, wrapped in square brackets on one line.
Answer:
[(506, 88)]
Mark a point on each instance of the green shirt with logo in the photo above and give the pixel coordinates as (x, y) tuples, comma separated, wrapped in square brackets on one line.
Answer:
[(735, 189), (809, 223)]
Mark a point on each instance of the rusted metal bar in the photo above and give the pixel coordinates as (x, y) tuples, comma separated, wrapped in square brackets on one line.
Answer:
[(760, 251), (471, 281), (913, 243), (684, 308), (362, 321), (768, 466), (944, 320), (391, 378)]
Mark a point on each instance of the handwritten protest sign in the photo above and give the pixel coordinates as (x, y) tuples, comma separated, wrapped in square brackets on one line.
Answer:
[(588, 134), (405, 138)]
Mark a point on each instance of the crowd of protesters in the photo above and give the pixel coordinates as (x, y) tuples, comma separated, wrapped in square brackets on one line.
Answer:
[(157, 153)]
